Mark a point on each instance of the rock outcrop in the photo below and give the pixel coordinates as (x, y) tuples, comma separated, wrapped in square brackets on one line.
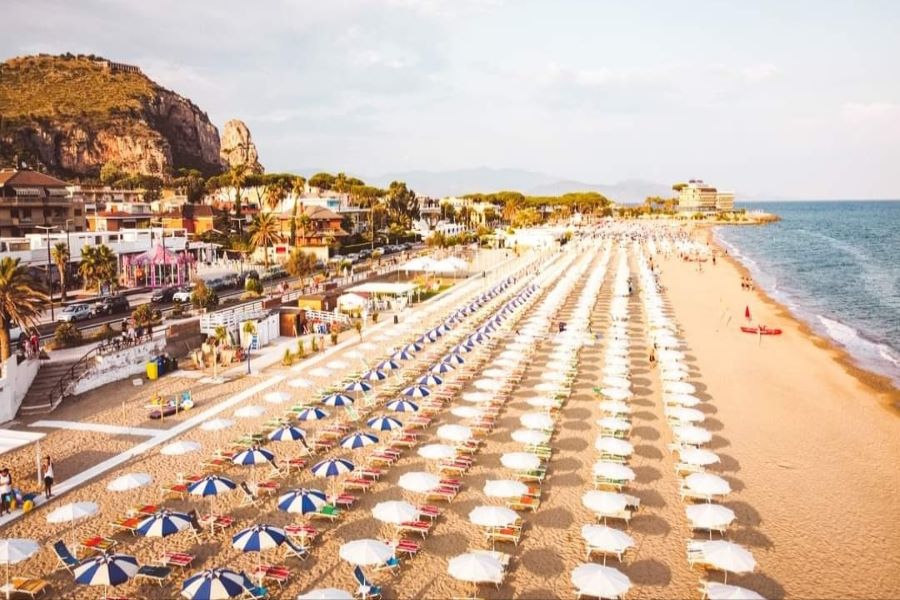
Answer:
[(238, 148), (70, 115)]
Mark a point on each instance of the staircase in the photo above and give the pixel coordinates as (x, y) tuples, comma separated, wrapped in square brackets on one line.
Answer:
[(53, 382)]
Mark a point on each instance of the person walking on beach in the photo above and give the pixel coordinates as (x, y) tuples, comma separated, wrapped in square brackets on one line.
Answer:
[(48, 477), (5, 490)]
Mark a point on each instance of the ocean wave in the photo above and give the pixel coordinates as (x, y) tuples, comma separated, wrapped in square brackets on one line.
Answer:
[(878, 356)]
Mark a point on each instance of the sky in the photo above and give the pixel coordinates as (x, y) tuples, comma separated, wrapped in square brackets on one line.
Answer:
[(796, 99)]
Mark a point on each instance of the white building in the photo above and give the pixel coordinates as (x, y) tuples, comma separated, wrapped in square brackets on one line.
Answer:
[(697, 196)]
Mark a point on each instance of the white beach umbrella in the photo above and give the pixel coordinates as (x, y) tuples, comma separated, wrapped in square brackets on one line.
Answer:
[(613, 359), (336, 365), (671, 355), (320, 372), (436, 452), (14, 551), (366, 552), (614, 446), (611, 470), (326, 594), (454, 433), (493, 516), (553, 376), (600, 581), (395, 512), (707, 484), (709, 516), (490, 385), (615, 407), (74, 511), (686, 415), (129, 481), (512, 354), (542, 402), (682, 399), (300, 383), (723, 591), (617, 370), (477, 397), (616, 381), (615, 393), (530, 436), (606, 539), (698, 456), (678, 387), (505, 488), (614, 424), (277, 397), (476, 567), (604, 503), (177, 448), (728, 556), (419, 482), (520, 461), (496, 373), (536, 420), (506, 363), (548, 386), (216, 424), (691, 434), (466, 412), (250, 412), (353, 354)]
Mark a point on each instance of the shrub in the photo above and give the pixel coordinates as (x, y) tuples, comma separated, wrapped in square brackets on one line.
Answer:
[(202, 296), (143, 315), (66, 335), (288, 358), (301, 350), (253, 285)]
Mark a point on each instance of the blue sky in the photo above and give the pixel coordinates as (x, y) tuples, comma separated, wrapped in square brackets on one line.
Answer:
[(791, 99)]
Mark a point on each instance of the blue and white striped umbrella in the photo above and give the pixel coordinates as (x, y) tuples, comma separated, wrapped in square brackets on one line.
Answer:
[(106, 569), (384, 423), (163, 523), (302, 501), (442, 367), (211, 485), (332, 467), (215, 584), (431, 336), (442, 328), (430, 379), (462, 348), (436, 331), (413, 347), (337, 400), (287, 433), (387, 365), (401, 405), (402, 355), (258, 538), (421, 340), (358, 386), (358, 440), (453, 359), (311, 414), (374, 375), (416, 391), (253, 456)]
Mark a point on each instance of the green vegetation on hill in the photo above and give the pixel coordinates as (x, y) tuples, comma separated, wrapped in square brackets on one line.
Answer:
[(68, 86)]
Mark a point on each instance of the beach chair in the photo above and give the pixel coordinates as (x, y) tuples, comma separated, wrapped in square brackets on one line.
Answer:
[(420, 527), (345, 500), (196, 528), (306, 533), (253, 592), (366, 588), (505, 534), (525, 502), (329, 512), (279, 575), (392, 564), (442, 493), (428, 511), (295, 550), (404, 546), (93, 544), (182, 560), (66, 559), (154, 573), (249, 498), (31, 586)]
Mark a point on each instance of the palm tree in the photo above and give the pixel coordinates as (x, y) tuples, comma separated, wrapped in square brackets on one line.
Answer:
[(21, 300), (61, 256), (298, 187), (264, 232), (237, 176), (98, 265), (300, 263), (276, 193)]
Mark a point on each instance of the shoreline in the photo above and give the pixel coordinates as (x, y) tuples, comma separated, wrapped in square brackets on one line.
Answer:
[(878, 383)]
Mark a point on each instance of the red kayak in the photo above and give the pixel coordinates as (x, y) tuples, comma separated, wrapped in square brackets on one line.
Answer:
[(761, 330)]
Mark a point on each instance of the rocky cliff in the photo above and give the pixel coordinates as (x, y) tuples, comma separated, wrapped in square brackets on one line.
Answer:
[(238, 148), (72, 114)]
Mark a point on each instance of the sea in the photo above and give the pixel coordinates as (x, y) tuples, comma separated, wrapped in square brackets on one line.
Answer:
[(836, 266)]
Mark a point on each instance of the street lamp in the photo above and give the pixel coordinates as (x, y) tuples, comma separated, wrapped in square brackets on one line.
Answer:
[(49, 228), (240, 221)]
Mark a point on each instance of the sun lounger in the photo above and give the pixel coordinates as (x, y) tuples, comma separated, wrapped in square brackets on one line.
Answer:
[(533, 475), (404, 546), (254, 592), (129, 524), (357, 483), (366, 589), (249, 498), (420, 527), (345, 500), (329, 512), (373, 473), (267, 487), (504, 534), (214, 521), (442, 493), (306, 533), (95, 543), (392, 564), (686, 469), (154, 573), (295, 550), (176, 490), (182, 560), (279, 575), (590, 550), (624, 515), (144, 509), (429, 512), (31, 586), (525, 502)]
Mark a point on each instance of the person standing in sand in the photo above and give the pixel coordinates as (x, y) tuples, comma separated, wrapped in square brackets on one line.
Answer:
[(5, 490), (48, 477)]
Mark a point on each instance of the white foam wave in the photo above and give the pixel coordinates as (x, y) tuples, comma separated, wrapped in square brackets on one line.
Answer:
[(880, 357)]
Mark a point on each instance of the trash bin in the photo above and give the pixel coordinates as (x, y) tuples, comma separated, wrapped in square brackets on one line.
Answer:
[(152, 370), (161, 365), (396, 319)]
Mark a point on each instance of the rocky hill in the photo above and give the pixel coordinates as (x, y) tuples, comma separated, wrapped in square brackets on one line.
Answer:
[(72, 114)]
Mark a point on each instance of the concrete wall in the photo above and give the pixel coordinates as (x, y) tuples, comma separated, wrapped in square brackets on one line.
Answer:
[(119, 365), (14, 384)]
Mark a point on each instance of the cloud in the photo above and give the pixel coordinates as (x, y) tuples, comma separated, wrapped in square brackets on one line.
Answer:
[(860, 113)]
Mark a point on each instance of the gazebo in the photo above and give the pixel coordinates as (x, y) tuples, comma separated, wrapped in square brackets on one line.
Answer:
[(159, 266)]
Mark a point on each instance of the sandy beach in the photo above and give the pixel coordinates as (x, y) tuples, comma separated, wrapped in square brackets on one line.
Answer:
[(802, 441)]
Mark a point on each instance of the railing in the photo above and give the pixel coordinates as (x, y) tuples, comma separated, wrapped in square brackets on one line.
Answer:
[(60, 389)]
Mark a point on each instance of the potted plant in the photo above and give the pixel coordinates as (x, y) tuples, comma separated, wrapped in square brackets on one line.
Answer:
[(288, 358), (301, 350)]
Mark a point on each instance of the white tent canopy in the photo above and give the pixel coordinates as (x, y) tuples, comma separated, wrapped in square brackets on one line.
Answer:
[(384, 288)]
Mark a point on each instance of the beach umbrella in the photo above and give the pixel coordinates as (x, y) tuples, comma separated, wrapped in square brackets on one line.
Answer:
[(395, 512), (326, 594), (477, 397), (387, 365), (374, 375), (476, 567), (300, 383), (616, 370), (682, 399), (491, 385), (216, 424), (495, 373), (520, 461), (401, 405), (430, 379), (673, 374), (542, 402), (384, 423), (505, 488), (723, 591), (413, 347), (402, 355), (454, 433), (358, 440), (530, 436), (253, 456), (337, 400), (691, 434), (606, 539), (311, 414), (129, 481), (419, 482), (707, 484), (599, 580), (177, 448), (614, 424), (442, 367), (728, 556), (366, 552), (320, 372), (678, 387), (436, 452), (215, 584), (333, 468), (14, 551), (416, 391), (106, 570), (604, 503), (258, 538), (454, 359), (698, 456), (302, 501), (163, 523), (287, 433), (615, 407), (358, 386), (614, 471), (615, 393), (616, 381), (536, 420), (466, 412), (461, 348), (747, 312), (211, 485), (250, 412), (687, 415), (493, 516), (74, 511), (277, 397), (336, 365), (709, 516)]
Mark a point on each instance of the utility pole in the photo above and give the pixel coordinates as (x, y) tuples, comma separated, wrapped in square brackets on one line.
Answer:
[(49, 228)]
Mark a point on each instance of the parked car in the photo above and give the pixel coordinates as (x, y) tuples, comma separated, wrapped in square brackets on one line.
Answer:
[(364, 254), (353, 257), (163, 295), (182, 295), (377, 252), (75, 312), (111, 305), (232, 280), (215, 284)]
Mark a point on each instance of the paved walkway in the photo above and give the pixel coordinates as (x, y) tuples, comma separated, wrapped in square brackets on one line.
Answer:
[(96, 427)]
